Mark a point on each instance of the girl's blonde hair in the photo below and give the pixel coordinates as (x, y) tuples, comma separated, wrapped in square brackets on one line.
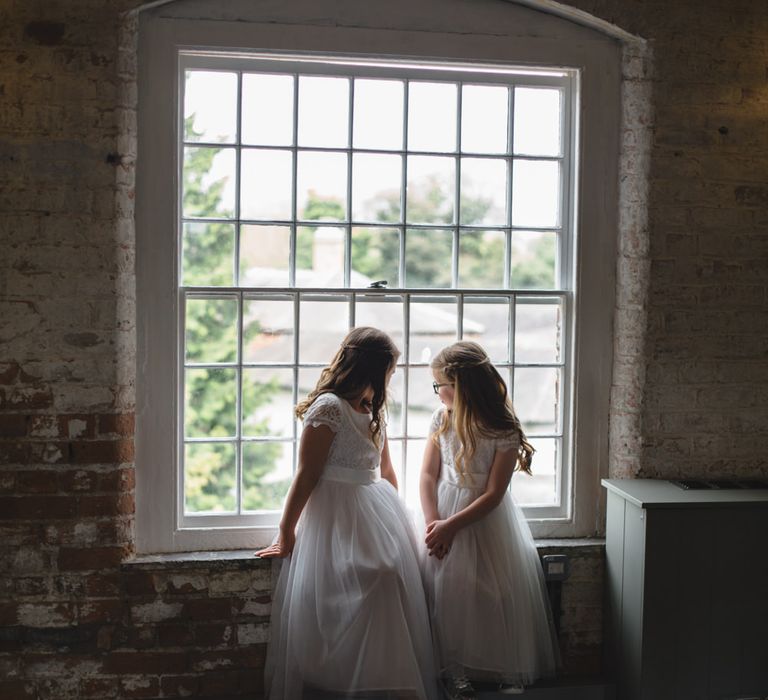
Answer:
[(481, 405), (365, 357)]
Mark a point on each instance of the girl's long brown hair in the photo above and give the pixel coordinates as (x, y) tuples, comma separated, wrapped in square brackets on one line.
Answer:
[(481, 405), (365, 357)]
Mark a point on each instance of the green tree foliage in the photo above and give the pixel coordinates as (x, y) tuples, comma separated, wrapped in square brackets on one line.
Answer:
[(375, 251), (211, 394)]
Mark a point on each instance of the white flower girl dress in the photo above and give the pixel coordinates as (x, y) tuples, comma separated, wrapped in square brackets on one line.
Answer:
[(487, 597), (349, 615)]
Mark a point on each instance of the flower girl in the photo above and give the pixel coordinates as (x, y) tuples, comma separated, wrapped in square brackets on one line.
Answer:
[(349, 614), (485, 587)]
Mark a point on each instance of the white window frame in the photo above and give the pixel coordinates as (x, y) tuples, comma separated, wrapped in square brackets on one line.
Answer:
[(168, 47)]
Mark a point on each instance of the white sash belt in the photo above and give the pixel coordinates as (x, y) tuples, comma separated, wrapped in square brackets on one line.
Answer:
[(472, 480), (351, 476)]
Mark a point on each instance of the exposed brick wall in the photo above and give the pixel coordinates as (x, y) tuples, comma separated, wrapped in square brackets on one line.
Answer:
[(690, 380)]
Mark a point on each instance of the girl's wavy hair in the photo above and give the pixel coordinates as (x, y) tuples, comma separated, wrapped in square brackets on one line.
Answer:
[(365, 357), (481, 405)]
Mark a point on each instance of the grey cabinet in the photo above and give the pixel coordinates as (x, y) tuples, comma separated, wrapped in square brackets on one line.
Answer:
[(687, 588)]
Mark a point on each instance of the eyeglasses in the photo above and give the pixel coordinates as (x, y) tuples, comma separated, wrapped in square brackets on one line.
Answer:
[(437, 386)]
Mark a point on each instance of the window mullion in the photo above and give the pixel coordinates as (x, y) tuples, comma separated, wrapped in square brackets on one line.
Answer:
[(294, 176), (348, 227)]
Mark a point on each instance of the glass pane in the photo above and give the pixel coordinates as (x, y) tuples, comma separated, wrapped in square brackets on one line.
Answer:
[(538, 331), (265, 254), (268, 330), (266, 184), (210, 404), (267, 402), (396, 454), (535, 193), (267, 473), (375, 256), (383, 312), (486, 321), (267, 109), (208, 189), (210, 107), (534, 260), (434, 324), (320, 256), (484, 191), (481, 259), (432, 117), (395, 394), (537, 121), (422, 401), (210, 478), (323, 325), (377, 187), (409, 484), (431, 189), (308, 378), (541, 487), (323, 112), (378, 119), (484, 119), (211, 330), (208, 255), (428, 258), (321, 187), (537, 399)]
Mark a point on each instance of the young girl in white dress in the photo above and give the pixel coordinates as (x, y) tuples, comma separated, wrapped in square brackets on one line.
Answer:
[(349, 615), (485, 587)]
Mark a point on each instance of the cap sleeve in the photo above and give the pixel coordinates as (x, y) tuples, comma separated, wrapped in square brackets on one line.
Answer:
[(325, 410), (437, 419), (511, 441)]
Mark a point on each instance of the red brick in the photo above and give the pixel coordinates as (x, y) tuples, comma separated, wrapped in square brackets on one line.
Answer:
[(180, 686), (13, 425), (7, 483), (113, 504), (37, 507), (218, 684), (98, 687), (208, 609), (139, 583), (102, 584), (117, 424), (8, 613), (213, 635), (15, 452), (93, 558), (17, 690), (102, 451), (140, 662), (37, 481), (175, 635)]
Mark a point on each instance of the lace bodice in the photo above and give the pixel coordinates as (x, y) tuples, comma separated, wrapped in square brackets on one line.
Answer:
[(480, 465), (352, 447)]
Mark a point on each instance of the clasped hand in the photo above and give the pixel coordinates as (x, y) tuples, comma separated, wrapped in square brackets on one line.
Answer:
[(440, 534)]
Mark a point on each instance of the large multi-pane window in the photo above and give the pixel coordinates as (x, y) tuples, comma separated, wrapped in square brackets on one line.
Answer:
[(431, 201)]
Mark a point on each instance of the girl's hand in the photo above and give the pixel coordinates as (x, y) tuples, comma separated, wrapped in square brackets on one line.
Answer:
[(440, 534), (280, 549)]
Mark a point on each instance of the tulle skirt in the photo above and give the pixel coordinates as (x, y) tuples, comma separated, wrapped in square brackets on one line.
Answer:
[(487, 598), (349, 615)]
